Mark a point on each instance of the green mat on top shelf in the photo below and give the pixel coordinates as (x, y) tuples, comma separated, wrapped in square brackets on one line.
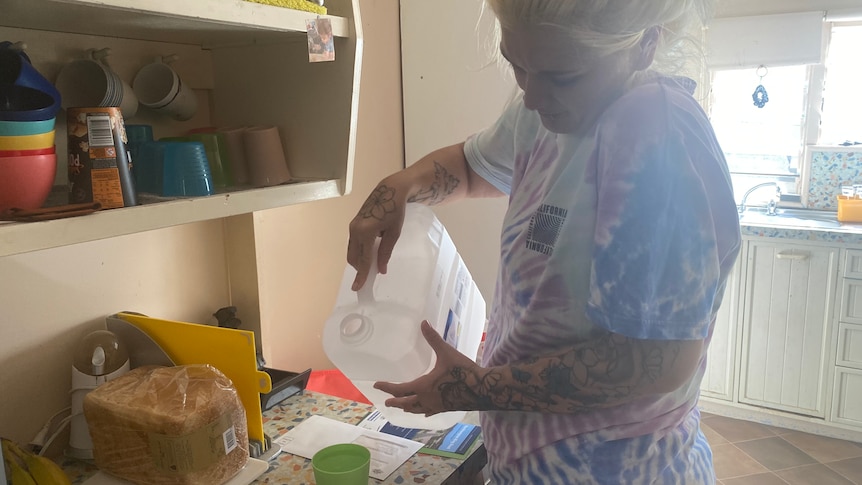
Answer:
[(294, 4)]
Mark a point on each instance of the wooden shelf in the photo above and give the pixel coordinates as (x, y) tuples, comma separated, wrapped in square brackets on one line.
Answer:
[(208, 23), (16, 238)]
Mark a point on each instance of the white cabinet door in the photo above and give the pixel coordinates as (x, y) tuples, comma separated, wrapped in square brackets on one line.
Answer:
[(718, 379), (851, 301), (786, 313), (849, 346), (848, 395)]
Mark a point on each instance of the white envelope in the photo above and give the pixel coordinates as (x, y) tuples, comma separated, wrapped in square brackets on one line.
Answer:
[(315, 433)]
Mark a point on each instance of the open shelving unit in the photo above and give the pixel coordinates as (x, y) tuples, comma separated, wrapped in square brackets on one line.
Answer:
[(203, 22), (248, 61)]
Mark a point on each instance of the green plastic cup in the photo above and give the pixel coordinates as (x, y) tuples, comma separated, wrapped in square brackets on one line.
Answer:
[(343, 464)]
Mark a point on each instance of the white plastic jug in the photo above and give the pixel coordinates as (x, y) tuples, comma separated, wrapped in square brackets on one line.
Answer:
[(374, 334)]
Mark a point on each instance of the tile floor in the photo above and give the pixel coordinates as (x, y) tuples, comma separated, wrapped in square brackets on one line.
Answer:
[(746, 453)]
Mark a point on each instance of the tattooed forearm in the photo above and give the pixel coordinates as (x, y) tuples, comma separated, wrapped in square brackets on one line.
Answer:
[(380, 203), (443, 185), (604, 371)]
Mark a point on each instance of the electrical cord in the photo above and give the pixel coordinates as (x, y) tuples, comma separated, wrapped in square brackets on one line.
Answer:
[(42, 440)]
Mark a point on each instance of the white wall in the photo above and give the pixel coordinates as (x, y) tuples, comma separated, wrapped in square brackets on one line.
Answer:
[(453, 87)]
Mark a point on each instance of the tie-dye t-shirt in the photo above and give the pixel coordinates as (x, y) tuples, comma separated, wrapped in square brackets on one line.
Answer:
[(633, 229)]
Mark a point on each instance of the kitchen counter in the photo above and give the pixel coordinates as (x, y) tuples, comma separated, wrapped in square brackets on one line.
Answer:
[(287, 469), (806, 225), (846, 234)]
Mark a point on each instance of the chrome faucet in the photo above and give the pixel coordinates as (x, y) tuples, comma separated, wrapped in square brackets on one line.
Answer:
[(773, 202)]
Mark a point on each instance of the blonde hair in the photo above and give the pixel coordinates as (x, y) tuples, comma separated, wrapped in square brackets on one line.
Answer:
[(609, 26)]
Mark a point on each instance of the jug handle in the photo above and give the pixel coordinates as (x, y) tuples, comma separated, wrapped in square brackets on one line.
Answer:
[(365, 295)]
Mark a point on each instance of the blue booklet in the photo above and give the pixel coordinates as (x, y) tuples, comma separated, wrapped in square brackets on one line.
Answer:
[(454, 442)]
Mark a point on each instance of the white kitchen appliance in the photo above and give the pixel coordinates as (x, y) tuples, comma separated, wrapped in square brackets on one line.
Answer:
[(100, 357)]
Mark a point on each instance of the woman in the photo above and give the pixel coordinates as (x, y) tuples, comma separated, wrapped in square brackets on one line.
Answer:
[(619, 236)]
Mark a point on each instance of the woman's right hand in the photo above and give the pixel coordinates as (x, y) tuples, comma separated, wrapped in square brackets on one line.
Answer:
[(382, 215), (434, 179)]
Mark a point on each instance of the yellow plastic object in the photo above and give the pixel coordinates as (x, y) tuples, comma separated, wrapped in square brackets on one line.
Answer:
[(849, 209), (294, 4), (230, 351), (27, 142)]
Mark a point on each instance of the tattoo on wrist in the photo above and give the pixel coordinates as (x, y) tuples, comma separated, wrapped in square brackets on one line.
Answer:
[(458, 392), (444, 185), (379, 204)]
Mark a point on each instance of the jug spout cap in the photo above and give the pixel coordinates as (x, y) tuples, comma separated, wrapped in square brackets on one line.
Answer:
[(356, 328)]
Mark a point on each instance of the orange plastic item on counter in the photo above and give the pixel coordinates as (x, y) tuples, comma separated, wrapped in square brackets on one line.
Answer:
[(334, 383), (849, 209)]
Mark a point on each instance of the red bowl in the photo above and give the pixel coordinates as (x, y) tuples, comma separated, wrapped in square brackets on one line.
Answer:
[(26, 182), (28, 153)]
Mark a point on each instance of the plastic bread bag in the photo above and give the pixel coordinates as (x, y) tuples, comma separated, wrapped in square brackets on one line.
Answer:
[(168, 425)]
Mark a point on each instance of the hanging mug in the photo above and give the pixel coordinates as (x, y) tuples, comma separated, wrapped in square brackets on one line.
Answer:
[(160, 88)]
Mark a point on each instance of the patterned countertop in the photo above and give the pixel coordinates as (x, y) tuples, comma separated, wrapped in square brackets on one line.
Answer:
[(848, 233), (292, 469), (287, 469)]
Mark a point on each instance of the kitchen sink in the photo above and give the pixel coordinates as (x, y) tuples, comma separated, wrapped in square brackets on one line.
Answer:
[(803, 218)]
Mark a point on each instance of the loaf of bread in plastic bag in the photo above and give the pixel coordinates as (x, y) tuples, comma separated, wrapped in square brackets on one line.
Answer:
[(168, 425)]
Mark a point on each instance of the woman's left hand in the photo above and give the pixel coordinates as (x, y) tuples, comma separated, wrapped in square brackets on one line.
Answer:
[(446, 388)]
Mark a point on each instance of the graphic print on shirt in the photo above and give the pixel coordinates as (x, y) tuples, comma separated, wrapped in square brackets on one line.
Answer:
[(545, 228)]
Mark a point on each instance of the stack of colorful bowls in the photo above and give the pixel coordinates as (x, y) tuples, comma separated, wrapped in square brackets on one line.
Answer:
[(28, 107)]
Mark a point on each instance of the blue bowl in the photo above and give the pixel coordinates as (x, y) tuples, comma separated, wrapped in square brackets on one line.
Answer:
[(15, 68), (24, 128), (20, 103)]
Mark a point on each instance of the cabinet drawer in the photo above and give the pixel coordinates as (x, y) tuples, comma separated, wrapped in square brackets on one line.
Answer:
[(847, 396), (851, 301), (853, 264), (849, 346)]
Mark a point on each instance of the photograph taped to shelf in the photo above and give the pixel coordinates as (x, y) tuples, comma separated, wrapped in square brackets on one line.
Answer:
[(321, 48)]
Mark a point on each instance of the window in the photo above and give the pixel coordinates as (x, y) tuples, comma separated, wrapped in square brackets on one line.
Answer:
[(842, 98), (768, 144), (761, 144)]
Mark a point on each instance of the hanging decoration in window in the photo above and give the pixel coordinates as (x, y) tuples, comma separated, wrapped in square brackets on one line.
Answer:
[(760, 96)]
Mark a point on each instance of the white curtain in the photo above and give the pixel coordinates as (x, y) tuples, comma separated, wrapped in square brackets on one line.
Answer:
[(769, 40)]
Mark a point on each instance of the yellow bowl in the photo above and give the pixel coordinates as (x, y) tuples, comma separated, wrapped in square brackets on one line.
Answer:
[(27, 142)]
